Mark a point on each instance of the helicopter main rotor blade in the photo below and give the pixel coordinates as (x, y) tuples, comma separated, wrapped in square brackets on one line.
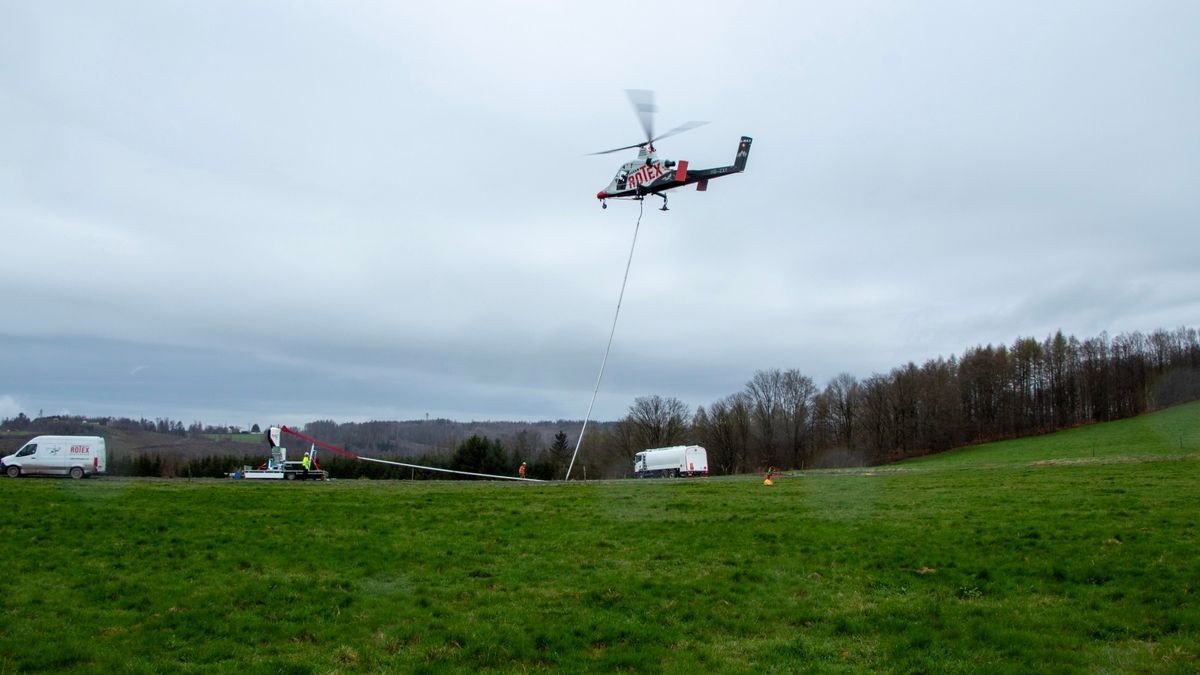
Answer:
[(643, 106), (686, 126), (627, 147)]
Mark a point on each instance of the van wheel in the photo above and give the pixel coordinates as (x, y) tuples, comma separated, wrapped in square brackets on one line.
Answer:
[(13, 471), (76, 472)]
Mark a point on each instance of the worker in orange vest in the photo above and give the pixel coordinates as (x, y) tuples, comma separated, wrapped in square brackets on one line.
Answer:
[(521, 470)]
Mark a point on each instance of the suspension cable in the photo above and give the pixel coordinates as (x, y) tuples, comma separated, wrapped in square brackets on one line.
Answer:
[(620, 298)]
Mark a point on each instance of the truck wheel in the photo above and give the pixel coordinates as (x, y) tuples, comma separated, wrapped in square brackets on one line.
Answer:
[(13, 471), (76, 472), (289, 476)]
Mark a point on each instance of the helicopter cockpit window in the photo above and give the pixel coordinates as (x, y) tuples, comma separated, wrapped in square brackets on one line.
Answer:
[(622, 176)]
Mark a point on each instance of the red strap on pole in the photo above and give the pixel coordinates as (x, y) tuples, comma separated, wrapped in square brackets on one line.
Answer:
[(319, 444)]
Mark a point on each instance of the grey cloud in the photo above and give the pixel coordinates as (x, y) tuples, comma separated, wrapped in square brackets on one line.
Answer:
[(354, 211)]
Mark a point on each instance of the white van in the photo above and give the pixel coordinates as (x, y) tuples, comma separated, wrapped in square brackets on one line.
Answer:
[(74, 456)]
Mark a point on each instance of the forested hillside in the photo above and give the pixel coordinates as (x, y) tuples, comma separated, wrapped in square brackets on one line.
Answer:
[(783, 418)]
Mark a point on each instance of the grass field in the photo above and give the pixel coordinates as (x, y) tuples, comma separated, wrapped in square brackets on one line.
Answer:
[(1168, 433), (1012, 566)]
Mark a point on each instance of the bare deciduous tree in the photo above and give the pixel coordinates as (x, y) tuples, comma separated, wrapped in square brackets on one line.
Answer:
[(658, 421), (764, 393), (796, 396), (843, 393)]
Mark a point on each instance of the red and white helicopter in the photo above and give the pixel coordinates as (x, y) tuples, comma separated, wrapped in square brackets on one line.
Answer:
[(649, 175)]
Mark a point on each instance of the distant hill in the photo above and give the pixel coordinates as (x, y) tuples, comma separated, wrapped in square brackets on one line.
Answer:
[(438, 437), (122, 444)]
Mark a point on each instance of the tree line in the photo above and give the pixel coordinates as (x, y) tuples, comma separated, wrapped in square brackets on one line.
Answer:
[(476, 454), (76, 424), (782, 418)]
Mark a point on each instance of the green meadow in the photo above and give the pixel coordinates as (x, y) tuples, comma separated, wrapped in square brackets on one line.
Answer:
[(1170, 433), (1031, 555)]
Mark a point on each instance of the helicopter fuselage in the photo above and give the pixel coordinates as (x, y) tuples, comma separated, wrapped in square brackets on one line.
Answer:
[(633, 176), (650, 175)]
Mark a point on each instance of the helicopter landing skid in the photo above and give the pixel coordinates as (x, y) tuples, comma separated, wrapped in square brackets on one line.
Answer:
[(639, 198)]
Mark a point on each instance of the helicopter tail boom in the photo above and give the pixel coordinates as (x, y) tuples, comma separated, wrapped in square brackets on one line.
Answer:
[(738, 166)]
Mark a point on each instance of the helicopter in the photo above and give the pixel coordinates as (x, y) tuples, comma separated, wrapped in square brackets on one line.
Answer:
[(649, 175)]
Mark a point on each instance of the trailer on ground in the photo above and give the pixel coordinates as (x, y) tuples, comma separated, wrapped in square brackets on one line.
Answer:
[(278, 467)]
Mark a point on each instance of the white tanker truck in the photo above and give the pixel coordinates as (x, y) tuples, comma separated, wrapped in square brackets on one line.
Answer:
[(678, 460)]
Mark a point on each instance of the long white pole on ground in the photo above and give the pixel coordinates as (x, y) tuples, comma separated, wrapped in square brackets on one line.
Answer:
[(461, 473), (588, 416), (276, 431)]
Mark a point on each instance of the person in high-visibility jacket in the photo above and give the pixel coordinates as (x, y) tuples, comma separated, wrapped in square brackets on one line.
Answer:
[(307, 462)]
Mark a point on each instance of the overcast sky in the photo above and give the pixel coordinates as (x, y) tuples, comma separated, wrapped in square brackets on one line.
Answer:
[(273, 212)]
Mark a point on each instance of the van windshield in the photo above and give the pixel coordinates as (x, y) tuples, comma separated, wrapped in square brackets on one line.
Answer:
[(27, 450)]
